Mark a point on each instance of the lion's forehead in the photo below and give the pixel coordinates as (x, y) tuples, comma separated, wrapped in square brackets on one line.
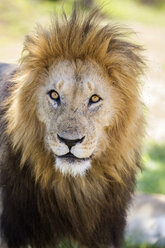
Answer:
[(82, 76)]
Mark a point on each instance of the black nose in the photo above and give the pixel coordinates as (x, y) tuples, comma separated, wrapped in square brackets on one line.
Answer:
[(69, 142)]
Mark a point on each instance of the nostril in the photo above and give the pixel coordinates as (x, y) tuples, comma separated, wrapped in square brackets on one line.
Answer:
[(60, 138), (70, 142), (82, 139)]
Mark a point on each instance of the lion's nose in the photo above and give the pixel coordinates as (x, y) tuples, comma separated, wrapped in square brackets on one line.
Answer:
[(69, 142)]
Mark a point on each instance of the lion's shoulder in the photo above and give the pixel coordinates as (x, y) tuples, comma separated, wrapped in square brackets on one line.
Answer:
[(6, 72)]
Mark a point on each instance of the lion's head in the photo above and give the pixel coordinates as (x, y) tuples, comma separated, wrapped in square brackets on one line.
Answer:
[(75, 102), (74, 107)]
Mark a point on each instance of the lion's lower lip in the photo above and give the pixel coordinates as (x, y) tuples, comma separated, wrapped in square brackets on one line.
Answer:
[(68, 155), (71, 156)]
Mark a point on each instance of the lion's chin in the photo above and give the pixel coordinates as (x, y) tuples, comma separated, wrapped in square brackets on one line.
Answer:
[(72, 166)]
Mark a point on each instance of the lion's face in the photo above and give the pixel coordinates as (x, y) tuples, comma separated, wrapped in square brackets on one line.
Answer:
[(75, 103)]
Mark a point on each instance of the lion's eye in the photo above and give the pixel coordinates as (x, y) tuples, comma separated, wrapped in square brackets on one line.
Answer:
[(94, 99), (54, 95)]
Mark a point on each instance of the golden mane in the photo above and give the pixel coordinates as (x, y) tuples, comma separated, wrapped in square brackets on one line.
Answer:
[(81, 38)]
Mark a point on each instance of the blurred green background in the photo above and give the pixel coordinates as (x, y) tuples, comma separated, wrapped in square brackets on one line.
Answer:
[(147, 18)]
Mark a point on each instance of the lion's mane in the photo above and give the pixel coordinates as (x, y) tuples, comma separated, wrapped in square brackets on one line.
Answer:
[(91, 208)]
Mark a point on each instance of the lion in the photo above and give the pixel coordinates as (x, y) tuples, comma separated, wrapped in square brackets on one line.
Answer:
[(71, 123)]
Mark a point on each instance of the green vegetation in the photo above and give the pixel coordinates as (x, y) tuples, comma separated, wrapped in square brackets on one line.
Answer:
[(18, 16), (66, 244), (152, 179), (130, 245), (134, 10)]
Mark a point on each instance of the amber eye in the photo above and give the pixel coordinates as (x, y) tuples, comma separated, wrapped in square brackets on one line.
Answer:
[(54, 95), (94, 99)]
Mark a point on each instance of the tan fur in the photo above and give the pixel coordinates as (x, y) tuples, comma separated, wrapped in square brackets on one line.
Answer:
[(120, 64)]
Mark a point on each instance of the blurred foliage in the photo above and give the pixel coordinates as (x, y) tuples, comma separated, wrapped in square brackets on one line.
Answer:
[(134, 10), (155, 3), (19, 16), (15, 14), (129, 245), (152, 179), (125, 244), (65, 243)]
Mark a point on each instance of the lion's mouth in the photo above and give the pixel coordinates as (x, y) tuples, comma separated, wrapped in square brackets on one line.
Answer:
[(71, 157)]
